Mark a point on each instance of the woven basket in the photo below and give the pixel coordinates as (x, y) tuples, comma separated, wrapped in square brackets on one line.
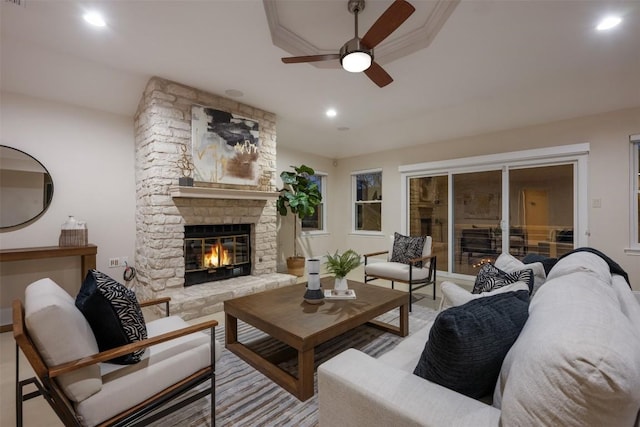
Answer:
[(74, 237)]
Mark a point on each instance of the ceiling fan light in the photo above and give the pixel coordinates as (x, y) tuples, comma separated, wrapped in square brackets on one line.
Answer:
[(356, 62)]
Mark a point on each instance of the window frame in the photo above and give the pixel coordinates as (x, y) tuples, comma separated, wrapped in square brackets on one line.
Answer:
[(355, 202), (323, 191), (634, 214), (574, 153)]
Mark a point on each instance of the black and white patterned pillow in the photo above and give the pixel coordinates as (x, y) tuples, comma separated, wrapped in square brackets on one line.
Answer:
[(491, 277), (114, 314), (406, 248)]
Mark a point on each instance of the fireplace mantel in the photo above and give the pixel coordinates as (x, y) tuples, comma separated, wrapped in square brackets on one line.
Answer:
[(220, 193)]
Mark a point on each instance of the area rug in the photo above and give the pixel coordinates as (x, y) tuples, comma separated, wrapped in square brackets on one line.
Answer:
[(245, 397)]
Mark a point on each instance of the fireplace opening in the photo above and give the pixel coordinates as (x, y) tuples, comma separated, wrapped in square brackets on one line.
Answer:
[(216, 252)]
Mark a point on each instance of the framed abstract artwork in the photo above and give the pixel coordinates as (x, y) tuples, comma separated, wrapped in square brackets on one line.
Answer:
[(225, 147)]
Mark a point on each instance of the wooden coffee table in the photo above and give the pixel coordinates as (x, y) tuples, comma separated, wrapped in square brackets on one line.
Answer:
[(283, 314)]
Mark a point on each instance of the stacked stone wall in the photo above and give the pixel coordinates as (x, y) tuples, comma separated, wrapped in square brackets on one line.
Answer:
[(162, 125)]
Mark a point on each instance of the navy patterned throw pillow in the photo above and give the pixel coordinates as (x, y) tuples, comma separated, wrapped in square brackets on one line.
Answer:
[(406, 248), (491, 277), (114, 314), (468, 343)]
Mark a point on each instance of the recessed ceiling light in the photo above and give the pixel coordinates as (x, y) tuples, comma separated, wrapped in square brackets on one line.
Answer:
[(331, 112), (95, 19), (608, 23)]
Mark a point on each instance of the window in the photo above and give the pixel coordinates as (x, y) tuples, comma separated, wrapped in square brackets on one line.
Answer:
[(367, 197), (635, 193), (316, 223)]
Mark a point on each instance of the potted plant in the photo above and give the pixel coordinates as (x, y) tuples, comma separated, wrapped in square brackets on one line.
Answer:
[(301, 196), (340, 265)]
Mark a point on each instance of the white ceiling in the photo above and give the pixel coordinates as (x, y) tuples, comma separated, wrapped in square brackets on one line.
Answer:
[(493, 65)]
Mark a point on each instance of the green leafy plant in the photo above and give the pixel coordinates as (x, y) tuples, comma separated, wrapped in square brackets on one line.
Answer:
[(299, 194), (340, 265)]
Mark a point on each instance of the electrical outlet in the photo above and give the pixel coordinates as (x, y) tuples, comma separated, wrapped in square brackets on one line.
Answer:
[(114, 262), (124, 261)]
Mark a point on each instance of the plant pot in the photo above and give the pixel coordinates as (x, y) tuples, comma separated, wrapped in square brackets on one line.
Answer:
[(340, 285), (295, 265)]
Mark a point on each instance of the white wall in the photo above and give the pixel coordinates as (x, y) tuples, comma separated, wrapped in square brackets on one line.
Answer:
[(90, 156), (609, 169)]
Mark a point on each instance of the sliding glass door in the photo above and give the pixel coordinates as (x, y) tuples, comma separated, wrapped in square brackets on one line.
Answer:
[(477, 212), (429, 213), (473, 214), (542, 210)]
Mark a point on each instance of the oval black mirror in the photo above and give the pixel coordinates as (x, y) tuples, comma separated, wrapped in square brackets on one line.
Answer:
[(26, 188)]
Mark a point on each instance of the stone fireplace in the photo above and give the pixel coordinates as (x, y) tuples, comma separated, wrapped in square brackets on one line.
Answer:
[(164, 209)]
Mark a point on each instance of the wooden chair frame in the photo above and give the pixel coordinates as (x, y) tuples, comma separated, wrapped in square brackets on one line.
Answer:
[(140, 414), (421, 283)]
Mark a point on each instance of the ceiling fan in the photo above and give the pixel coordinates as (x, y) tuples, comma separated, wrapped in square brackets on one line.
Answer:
[(356, 55)]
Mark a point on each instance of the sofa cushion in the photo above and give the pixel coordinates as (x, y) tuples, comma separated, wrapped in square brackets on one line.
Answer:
[(454, 295), (113, 312), (510, 264), (577, 360), (547, 262), (467, 343), (61, 334), (490, 277), (406, 248), (581, 262)]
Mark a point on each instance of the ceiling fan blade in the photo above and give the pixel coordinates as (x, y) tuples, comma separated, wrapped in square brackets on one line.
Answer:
[(378, 75), (387, 23), (311, 58)]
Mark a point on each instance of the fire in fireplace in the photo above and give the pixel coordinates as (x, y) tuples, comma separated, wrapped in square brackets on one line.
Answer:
[(216, 252)]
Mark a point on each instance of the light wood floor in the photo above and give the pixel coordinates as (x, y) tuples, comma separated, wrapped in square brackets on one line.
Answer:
[(38, 413)]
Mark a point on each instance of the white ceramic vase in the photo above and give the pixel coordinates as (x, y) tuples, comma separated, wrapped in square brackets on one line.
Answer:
[(340, 285)]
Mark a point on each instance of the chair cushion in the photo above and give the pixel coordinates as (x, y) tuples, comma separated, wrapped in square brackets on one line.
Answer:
[(490, 277), (161, 366), (165, 350), (113, 313), (61, 334), (468, 343), (395, 271), (406, 248)]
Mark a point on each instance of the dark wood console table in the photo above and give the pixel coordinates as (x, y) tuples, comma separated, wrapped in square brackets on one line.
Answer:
[(86, 253)]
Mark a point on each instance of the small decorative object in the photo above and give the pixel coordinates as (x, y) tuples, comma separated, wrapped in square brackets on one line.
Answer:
[(333, 294), (314, 294), (186, 166), (301, 196), (314, 266), (340, 265), (73, 233)]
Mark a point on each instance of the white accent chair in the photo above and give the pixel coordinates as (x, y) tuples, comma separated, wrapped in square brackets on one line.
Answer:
[(411, 274), (83, 388)]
